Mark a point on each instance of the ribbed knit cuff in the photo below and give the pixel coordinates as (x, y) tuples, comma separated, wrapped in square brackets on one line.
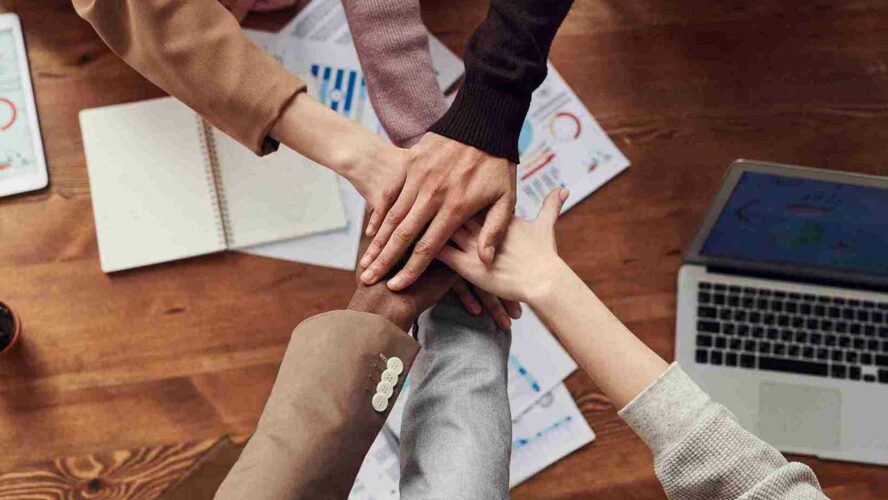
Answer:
[(485, 118), (673, 394)]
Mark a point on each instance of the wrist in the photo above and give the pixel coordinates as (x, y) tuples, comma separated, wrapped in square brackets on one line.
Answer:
[(554, 276), (395, 312)]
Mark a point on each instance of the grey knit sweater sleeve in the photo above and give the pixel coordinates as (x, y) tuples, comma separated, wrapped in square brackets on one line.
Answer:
[(701, 452)]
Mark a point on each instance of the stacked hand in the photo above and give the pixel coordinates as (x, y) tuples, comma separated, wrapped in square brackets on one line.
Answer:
[(511, 275), (420, 197)]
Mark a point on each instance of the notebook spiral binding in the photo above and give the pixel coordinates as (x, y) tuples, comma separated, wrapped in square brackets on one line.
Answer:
[(214, 178)]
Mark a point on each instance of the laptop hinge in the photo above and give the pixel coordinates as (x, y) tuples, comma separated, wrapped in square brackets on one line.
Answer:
[(812, 280)]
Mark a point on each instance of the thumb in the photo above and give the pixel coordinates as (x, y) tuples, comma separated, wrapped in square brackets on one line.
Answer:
[(551, 208), (494, 230)]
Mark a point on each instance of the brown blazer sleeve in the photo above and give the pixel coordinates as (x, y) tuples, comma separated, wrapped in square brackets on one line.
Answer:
[(319, 423), (196, 51)]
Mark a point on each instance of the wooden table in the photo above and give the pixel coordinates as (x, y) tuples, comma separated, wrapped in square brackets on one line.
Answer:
[(186, 352)]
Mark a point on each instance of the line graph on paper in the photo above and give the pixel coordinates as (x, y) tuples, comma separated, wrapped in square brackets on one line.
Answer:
[(520, 379)]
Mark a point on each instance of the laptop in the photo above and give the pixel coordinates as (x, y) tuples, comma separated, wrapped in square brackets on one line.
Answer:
[(783, 308)]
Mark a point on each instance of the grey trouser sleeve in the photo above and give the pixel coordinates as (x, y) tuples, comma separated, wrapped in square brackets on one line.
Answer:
[(456, 437)]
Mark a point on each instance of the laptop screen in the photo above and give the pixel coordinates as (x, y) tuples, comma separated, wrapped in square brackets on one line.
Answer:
[(806, 222)]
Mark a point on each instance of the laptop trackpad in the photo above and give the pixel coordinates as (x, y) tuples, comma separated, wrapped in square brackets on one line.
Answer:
[(800, 417)]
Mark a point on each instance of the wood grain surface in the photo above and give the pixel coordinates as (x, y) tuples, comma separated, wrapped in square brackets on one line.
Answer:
[(186, 352)]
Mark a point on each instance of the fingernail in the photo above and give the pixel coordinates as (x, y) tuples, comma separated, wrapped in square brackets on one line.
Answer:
[(368, 276), (396, 282), (564, 194), (516, 314), (368, 231), (505, 322), (475, 309), (365, 261)]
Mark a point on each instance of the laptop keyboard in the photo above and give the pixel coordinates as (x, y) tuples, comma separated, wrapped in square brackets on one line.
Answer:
[(761, 329)]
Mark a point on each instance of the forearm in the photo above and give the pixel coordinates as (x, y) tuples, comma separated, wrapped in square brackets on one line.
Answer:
[(328, 138), (196, 51), (620, 363), (392, 44)]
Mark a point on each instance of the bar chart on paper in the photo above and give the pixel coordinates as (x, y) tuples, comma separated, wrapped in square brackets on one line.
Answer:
[(342, 89)]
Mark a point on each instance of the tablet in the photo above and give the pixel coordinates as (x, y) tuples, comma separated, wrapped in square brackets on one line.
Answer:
[(22, 163)]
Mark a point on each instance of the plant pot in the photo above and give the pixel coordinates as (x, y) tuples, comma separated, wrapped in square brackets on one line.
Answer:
[(10, 328)]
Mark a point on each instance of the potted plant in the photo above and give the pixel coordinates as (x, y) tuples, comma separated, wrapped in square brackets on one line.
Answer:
[(10, 328)]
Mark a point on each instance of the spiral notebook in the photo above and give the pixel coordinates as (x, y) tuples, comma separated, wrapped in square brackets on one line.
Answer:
[(165, 186)]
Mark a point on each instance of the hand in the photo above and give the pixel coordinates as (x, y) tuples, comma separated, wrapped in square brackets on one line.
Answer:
[(404, 307), (526, 262), (447, 183), (377, 171), (498, 309)]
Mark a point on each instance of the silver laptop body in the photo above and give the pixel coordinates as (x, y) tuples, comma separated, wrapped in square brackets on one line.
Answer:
[(783, 308)]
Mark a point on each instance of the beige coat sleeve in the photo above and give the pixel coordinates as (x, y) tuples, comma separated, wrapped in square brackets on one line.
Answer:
[(196, 51), (319, 423)]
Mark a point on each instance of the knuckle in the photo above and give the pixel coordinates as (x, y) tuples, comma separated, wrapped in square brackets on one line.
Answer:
[(393, 217), (402, 235), (456, 207), (497, 231), (439, 190), (374, 246), (382, 263), (424, 248), (389, 194)]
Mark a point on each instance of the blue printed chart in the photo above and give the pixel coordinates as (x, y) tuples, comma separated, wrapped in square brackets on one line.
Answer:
[(342, 89)]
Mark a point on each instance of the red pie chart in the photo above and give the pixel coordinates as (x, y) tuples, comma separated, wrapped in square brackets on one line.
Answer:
[(13, 113)]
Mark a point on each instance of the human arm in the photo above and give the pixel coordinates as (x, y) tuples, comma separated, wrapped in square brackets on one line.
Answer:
[(393, 47), (700, 451), (196, 51), (318, 422)]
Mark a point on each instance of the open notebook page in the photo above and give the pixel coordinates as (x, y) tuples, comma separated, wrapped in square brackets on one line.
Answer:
[(274, 197), (152, 196)]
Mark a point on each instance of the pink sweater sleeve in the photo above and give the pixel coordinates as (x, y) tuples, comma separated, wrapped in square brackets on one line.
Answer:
[(393, 47)]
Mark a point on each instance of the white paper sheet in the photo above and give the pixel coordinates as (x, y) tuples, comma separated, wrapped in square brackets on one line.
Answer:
[(380, 472), (561, 144), (552, 429), (537, 364)]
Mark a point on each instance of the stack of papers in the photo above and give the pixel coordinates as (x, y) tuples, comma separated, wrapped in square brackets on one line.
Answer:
[(546, 423)]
